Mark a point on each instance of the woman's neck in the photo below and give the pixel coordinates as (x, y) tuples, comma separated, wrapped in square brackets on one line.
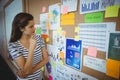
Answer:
[(24, 38)]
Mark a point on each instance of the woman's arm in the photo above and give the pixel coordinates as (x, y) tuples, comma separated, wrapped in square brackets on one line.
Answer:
[(43, 62), (26, 65)]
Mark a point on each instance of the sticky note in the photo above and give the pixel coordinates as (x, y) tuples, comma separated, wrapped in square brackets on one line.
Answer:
[(54, 64), (43, 68), (94, 17), (92, 51), (38, 31), (112, 11), (48, 25), (61, 54), (47, 39), (113, 68), (77, 29), (43, 9), (77, 38), (64, 9), (61, 62), (67, 19), (63, 33)]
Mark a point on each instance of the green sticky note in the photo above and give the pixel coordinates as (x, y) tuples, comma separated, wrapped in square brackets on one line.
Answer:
[(38, 31), (112, 11), (94, 17)]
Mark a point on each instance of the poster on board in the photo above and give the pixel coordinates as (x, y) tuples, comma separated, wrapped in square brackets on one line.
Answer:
[(88, 6), (114, 46), (73, 53)]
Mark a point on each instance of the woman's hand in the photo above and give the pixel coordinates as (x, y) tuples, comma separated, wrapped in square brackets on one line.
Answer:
[(33, 42)]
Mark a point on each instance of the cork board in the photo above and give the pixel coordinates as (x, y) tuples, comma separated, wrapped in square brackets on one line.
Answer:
[(35, 8)]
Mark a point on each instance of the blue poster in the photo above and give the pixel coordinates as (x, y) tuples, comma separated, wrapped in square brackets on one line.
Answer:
[(73, 53)]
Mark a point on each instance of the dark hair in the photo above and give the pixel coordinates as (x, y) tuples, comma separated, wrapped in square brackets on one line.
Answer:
[(20, 21)]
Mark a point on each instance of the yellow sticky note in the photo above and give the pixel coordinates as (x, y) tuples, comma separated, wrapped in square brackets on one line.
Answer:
[(54, 64), (59, 30), (61, 55), (61, 62), (47, 39), (112, 11), (67, 22), (113, 68), (43, 68), (77, 29), (68, 16), (77, 38)]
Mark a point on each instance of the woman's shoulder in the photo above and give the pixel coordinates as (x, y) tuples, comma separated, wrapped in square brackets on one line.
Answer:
[(12, 44)]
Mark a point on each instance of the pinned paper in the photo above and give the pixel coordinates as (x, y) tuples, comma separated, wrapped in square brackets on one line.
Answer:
[(112, 11), (43, 9), (77, 38), (92, 51), (61, 55), (77, 29), (113, 68), (64, 9), (94, 17), (68, 19)]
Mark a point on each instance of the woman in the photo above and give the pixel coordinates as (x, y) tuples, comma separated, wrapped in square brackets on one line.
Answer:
[(27, 49)]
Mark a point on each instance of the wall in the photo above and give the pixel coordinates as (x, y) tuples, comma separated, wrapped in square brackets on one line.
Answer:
[(35, 8), (7, 12)]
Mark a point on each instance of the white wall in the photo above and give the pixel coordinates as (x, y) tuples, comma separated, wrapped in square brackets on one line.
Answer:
[(10, 12), (6, 25)]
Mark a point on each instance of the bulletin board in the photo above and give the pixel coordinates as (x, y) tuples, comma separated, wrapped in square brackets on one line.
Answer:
[(35, 8)]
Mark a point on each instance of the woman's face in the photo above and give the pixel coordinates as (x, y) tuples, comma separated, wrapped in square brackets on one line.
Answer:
[(29, 29)]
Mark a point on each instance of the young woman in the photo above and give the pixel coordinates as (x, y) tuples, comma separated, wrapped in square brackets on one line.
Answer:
[(27, 49)]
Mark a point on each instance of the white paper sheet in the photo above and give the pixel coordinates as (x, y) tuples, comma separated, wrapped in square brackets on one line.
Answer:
[(54, 11), (96, 34), (95, 63), (71, 4)]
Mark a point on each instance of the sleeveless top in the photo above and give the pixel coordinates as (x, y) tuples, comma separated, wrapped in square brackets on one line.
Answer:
[(16, 49)]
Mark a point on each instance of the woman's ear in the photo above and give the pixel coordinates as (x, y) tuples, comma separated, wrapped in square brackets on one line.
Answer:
[(21, 29)]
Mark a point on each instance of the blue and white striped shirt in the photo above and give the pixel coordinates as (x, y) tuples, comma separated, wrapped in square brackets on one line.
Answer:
[(16, 49)]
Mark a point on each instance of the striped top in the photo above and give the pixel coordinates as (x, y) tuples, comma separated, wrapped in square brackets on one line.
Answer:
[(16, 49)]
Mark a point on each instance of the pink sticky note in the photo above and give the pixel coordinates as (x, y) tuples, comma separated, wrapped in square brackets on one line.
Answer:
[(92, 51), (43, 9), (50, 77), (65, 10)]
